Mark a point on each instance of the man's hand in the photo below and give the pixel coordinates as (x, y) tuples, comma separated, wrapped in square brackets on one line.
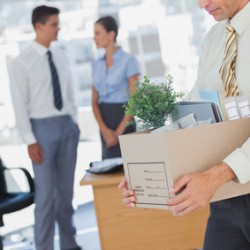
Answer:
[(196, 190), (35, 153), (127, 194)]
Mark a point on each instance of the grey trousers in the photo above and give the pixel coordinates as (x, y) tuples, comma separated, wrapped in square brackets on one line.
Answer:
[(228, 226), (54, 181)]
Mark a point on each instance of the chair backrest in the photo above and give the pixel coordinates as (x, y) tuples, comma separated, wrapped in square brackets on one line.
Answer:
[(2, 180), (11, 201)]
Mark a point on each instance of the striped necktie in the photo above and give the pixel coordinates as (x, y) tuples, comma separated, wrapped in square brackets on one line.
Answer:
[(227, 70), (55, 83)]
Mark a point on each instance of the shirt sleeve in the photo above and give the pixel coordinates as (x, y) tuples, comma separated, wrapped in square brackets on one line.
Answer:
[(239, 162), (132, 67), (20, 95)]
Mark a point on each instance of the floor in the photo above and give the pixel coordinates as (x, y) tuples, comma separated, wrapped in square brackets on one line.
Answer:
[(18, 229), (87, 232)]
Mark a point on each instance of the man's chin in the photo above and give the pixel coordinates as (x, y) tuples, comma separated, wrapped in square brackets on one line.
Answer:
[(54, 39)]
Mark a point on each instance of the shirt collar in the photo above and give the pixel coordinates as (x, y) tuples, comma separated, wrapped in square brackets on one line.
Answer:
[(241, 20), (117, 55), (42, 50)]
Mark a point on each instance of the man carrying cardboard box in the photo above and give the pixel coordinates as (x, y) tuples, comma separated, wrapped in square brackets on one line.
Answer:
[(224, 66)]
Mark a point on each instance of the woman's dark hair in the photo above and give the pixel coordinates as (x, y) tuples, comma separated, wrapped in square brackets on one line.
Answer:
[(41, 14), (109, 24)]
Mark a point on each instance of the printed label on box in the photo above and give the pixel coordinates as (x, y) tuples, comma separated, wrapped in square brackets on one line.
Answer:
[(150, 183)]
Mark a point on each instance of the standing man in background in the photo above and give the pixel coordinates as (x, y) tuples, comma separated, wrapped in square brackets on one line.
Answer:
[(224, 66), (42, 93)]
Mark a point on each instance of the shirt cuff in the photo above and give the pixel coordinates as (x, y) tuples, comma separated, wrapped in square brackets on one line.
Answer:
[(29, 139), (239, 162)]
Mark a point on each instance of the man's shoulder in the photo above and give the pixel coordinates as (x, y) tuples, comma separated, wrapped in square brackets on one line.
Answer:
[(217, 30), (59, 52), (25, 55)]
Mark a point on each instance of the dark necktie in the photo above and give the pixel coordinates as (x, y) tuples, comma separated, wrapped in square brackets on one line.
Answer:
[(55, 83)]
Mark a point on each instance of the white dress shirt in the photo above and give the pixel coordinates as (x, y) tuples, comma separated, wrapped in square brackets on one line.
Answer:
[(32, 90), (209, 77)]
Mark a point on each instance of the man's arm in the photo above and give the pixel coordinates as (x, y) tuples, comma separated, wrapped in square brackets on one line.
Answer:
[(198, 189), (239, 162), (204, 185), (19, 93)]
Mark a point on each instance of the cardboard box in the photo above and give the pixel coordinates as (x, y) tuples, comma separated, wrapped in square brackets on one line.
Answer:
[(171, 155)]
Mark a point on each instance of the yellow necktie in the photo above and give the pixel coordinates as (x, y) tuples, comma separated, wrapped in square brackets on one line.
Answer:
[(227, 70)]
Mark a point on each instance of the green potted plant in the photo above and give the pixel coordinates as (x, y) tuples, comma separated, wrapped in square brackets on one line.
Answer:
[(152, 103)]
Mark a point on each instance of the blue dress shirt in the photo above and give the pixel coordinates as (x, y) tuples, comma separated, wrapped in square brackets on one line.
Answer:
[(112, 84)]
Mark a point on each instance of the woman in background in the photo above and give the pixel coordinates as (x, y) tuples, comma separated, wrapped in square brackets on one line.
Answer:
[(114, 75)]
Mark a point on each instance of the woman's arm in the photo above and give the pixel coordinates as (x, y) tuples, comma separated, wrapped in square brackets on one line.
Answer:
[(96, 110), (127, 118), (109, 135)]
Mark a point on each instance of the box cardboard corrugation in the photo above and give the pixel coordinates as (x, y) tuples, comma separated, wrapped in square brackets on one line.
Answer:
[(187, 151)]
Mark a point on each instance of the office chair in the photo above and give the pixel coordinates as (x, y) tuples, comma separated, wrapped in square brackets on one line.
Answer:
[(11, 201)]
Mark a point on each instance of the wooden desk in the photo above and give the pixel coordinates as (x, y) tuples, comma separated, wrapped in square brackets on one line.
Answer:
[(122, 228)]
